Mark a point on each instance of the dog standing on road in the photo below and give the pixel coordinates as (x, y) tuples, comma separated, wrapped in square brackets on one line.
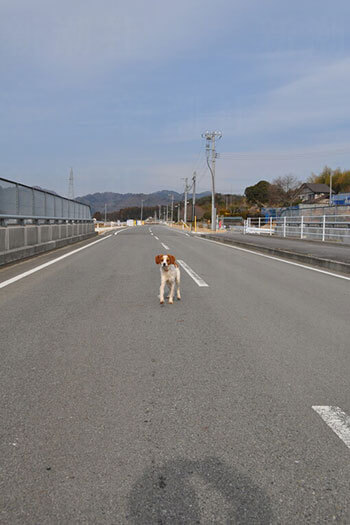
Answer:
[(170, 275)]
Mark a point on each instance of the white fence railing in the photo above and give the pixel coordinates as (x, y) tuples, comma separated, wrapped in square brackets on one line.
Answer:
[(317, 227)]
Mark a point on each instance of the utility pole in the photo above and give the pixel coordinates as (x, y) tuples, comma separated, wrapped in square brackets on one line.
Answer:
[(105, 212), (167, 213), (172, 207), (178, 212), (330, 189), (193, 195), (71, 185), (160, 212), (187, 187), (210, 137), (142, 208)]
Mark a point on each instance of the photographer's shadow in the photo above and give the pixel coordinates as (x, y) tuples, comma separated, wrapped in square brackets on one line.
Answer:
[(167, 495)]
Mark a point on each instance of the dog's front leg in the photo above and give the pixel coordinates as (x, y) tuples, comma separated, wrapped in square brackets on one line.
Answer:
[(161, 292), (171, 293)]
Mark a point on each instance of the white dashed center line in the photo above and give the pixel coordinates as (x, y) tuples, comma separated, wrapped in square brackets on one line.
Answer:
[(165, 246), (198, 280), (337, 420), (156, 238)]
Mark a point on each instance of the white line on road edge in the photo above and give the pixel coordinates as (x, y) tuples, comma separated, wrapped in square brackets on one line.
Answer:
[(121, 230), (165, 246), (337, 420), (156, 238), (278, 259), (198, 280), (42, 266), (187, 234)]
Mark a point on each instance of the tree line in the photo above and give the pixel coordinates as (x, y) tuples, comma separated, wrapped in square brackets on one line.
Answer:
[(340, 179), (132, 212)]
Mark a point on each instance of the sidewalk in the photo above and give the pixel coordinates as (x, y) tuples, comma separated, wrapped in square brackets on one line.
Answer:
[(332, 256)]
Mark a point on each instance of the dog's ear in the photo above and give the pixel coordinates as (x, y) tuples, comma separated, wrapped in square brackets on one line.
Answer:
[(158, 258), (171, 259)]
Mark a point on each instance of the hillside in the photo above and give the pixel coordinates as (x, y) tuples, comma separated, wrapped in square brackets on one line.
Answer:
[(117, 201)]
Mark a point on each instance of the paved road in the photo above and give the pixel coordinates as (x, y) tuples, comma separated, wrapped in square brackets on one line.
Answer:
[(117, 410)]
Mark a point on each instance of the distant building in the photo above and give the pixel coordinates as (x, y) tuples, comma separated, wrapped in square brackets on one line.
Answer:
[(341, 199), (309, 192)]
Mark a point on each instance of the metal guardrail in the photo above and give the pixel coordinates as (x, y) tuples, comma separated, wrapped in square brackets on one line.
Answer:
[(21, 202), (317, 227)]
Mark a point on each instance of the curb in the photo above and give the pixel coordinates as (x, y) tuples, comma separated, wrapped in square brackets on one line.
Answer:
[(336, 266)]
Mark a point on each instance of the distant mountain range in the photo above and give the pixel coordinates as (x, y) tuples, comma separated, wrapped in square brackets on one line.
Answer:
[(117, 201)]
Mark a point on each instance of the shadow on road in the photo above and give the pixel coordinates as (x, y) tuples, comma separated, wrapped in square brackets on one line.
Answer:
[(168, 494)]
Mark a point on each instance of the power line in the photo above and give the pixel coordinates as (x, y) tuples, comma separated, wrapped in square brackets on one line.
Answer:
[(267, 155)]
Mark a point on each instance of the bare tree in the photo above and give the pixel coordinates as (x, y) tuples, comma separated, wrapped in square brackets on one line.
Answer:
[(287, 182)]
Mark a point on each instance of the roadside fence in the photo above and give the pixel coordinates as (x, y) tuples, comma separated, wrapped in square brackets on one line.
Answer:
[(20, 203), (322, 228)]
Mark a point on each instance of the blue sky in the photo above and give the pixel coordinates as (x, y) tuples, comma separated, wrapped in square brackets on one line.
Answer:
[(121, 91)]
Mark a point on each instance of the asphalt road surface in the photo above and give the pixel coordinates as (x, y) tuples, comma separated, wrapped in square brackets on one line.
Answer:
[(117, 410)]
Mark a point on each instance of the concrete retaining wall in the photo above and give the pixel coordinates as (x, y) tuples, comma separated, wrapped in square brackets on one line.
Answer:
[(19, 242)]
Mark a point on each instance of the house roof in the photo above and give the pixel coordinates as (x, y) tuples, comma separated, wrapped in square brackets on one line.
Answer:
[(316, 188)]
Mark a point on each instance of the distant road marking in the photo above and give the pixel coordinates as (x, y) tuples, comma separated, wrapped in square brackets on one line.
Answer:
[(337, 420), (198, 280), (152, 233), (165, 246), (278, 259), (45, 265), (175, 230), (156, 238)]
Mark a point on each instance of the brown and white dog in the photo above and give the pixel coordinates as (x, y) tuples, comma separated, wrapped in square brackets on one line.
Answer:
[(170, 275)]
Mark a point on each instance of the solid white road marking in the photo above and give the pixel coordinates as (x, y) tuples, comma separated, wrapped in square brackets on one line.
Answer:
[(187, 234), (278, 259), (45, 265), (337, 420), (156, 238), (121, 230), (165, 246), (198, 280)]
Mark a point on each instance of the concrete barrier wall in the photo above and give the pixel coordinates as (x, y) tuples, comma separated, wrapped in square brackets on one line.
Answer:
[(19, 242)]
